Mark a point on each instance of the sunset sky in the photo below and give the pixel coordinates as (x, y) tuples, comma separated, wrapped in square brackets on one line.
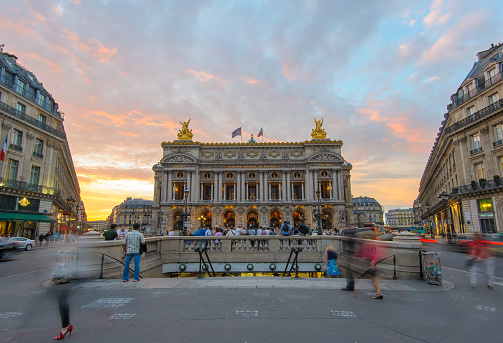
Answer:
[(125, 73)]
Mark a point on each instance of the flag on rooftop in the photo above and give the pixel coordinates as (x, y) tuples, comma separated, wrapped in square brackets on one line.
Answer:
[(261, 132), (236, 132)]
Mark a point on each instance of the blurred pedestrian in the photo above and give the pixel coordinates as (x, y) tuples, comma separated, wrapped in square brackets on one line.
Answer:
[(481, 256), (131, 247), (41, 239), (331, 262), (64, 312), (348, 271), (368, 252)]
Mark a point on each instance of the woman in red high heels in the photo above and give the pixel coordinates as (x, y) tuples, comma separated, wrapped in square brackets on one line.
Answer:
[(64, 312)]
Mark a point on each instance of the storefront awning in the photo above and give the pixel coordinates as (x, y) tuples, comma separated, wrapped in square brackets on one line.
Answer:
[(25, 217)]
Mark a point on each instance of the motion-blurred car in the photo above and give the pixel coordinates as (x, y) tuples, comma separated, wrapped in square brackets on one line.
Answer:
[(6, 249), (23, 243)]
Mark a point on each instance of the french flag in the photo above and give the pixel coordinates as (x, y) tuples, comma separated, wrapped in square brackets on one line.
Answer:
[(4, 150), (261, 132)]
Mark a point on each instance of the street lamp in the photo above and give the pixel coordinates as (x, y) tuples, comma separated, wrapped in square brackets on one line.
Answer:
[(317, 211), (444, 197), (186, 213), (70, 201)]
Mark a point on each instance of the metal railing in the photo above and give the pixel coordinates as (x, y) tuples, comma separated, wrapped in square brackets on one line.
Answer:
[(28, 94), (24, 117), (25, 186), (476, 116), (477, 186)]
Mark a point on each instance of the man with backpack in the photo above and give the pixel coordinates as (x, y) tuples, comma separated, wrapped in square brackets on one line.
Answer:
[(285, 229), (304, 230)]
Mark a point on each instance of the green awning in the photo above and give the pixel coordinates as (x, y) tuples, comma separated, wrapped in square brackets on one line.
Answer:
[(25, 217)]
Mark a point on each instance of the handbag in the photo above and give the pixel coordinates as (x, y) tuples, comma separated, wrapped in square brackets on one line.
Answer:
[(143, 248)]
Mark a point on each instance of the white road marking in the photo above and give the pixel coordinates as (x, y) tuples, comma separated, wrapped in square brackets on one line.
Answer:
[(345, 314), (35, 271), (122, 316), (247, 313), (9, 315), (108, 303)]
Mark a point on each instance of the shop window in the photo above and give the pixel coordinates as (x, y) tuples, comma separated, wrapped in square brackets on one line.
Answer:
[(485, 205)]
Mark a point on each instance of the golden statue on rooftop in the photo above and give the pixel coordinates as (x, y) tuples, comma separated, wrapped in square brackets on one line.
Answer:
[(318, 133), (185, 134)]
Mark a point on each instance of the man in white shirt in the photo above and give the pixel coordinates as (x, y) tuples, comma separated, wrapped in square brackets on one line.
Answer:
[(259, 231), (122, 232)]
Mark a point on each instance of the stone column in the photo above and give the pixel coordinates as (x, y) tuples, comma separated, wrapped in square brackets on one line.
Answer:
[(214, 195), (340, 185), (308, 182), (169, 186), (220, 183), (283, 186), (288, 186), (316, 185), (237, 191), (266, 187), (196, 183)]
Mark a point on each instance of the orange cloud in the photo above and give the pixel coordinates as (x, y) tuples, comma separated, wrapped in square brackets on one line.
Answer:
[(53, 66), (204, 77), (57, 10), (97, 49), (129, 134), (251, 80), (118, 120)]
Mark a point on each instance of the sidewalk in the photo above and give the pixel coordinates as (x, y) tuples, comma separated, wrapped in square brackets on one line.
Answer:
[(256, 283)]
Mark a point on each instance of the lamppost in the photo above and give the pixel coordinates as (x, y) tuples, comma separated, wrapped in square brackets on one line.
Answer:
[(70, 201), (444, 197), (186, 212), (317, 211)]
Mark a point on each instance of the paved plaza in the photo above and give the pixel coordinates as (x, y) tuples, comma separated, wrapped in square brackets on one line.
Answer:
[(257, 310)]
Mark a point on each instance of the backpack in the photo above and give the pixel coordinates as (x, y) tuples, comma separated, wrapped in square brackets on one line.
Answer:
[(285, 229), (303, 229)]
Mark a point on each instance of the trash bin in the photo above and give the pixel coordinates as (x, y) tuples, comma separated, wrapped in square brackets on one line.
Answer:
[(432, 270)]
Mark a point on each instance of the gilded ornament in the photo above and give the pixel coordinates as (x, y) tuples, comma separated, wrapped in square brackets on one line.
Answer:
[(185, 134), (318, 133)]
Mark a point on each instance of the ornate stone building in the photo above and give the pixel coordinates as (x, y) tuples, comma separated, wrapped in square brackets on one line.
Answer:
[(460, 190), (39, 189), (367, 210), (251, 184)]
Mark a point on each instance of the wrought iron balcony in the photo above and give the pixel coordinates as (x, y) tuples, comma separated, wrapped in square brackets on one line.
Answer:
[(476, 116), (25, 186), (29, 93), (16, 147), (30, 120), (39, 155), (478, 186), (476, 150)]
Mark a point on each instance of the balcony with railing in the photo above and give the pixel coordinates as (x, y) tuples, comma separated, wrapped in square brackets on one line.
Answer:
[(476, 116), (16, 147), (478, 186), (29, 93), (26, 118), (25, 186), (37, 154), (458, 100), (475, 151)]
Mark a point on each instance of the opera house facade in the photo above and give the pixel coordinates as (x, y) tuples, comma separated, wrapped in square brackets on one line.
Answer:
[(251, 184)]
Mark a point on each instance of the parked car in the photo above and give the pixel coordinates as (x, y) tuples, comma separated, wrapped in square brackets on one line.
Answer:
[(23, 243), (6, 249)]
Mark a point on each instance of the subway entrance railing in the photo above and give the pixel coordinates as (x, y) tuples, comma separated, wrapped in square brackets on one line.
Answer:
[(256, 255)]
